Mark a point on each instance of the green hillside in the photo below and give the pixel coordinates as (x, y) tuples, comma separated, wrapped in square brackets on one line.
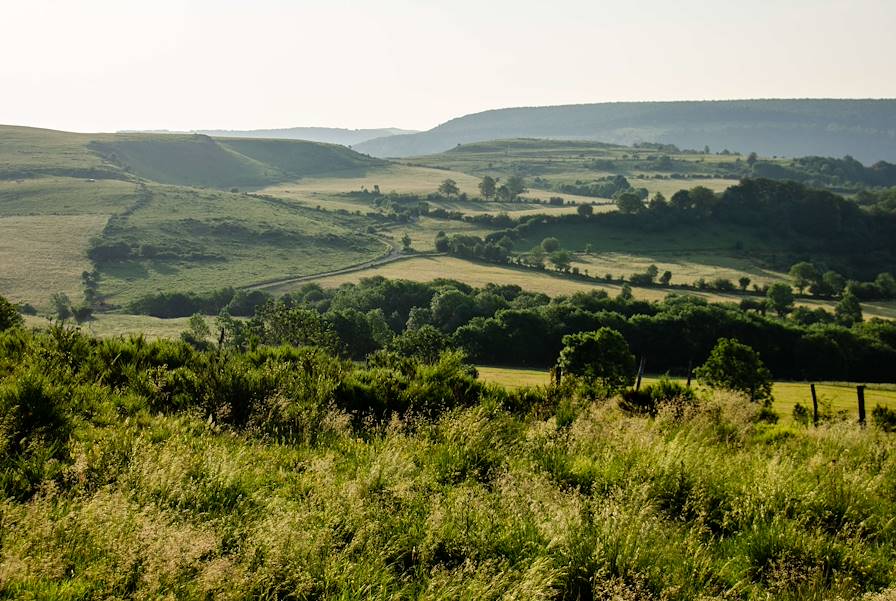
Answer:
[(189, 160), (865, 129)]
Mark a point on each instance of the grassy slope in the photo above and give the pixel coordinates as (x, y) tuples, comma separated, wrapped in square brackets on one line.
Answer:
[(479, 504), (207, 240), (217, 239)]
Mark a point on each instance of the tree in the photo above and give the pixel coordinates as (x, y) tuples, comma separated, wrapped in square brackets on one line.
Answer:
[(658, 202), (803, 274), (488, 186), (406, 242), (834, 282), (780, 298), (737, 367), (585, 210), (744, 283), (886, 284), (62, 306), (666, 278), (629, 203), (449, 187), (561, 259), (602, 356), (751, 159), (9, 315), (516, 185), (652, 271), (549, 245), (849, 309), (425, 343)]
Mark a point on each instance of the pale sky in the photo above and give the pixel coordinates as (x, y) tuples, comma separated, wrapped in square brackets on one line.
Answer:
[(104, 65)]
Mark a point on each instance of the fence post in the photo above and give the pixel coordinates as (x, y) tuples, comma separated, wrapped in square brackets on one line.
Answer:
[(640, 373), (860, 391), (690, 371), (814, 405)]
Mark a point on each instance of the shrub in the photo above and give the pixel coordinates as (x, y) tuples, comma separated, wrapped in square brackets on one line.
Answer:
[(652, 397), (737, 367), (884, 418)]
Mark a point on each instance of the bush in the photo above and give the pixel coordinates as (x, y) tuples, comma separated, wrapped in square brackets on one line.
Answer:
[(884, 418), (652, 397)]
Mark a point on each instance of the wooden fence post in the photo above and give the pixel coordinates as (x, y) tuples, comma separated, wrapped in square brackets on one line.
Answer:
[(640, 373), (690, 372), (860, 391), (814, 405)]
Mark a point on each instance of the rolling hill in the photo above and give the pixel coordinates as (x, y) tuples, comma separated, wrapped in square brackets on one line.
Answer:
[(865, 129), (329, 135), (180, 159)]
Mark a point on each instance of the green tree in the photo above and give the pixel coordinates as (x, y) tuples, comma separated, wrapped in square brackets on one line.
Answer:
[(488, 186), (516, 185), (666, 278), (737, 367), (602, 356), (629, 203), (780, 298), (751, 159), (834, 282), (406, 242), (62, 306), (849, 309), (549, 245), (886, 284), (449, 188), (652, 272), (425, 343), (585, 210), (561, 259), (803, 274), (744, 283), (9, 315)]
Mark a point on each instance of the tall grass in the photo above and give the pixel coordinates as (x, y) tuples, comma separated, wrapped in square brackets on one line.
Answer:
[(191, 475)]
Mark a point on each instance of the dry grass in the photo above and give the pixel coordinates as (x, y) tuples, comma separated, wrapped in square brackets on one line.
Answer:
[(41, 255)]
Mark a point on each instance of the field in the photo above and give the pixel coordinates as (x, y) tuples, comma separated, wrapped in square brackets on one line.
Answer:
[(248, 479), (107, 325), (836, 397), (45, 254), (203, 240)]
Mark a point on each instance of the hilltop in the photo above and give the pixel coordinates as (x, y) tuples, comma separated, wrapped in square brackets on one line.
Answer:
[(864, 129), (180, 159), (329, 135)]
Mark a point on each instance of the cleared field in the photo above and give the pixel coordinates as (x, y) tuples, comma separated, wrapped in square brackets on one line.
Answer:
[(685, 269), (404, 179), (202, 240), (670, 186), (106, 325), (64, 196), (425, 269), (836, 397), (44, 254)]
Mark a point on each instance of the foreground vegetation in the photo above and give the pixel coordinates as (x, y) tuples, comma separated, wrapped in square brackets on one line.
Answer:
[(143, 469)]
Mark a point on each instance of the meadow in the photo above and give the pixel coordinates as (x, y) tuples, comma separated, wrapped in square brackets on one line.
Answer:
[(834, 397), (172, 472)]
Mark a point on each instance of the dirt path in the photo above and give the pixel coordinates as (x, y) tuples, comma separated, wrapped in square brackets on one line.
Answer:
[(394, 254)]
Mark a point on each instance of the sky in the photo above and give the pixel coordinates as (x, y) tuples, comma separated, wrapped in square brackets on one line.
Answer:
[(107, 65)]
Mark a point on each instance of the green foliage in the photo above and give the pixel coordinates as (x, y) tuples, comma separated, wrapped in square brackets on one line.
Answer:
[(449, 188), (884, 418), (848, 310), (601, 356), (780, 298), (737, 367), (487, 186), (137, 469), (9, 315)]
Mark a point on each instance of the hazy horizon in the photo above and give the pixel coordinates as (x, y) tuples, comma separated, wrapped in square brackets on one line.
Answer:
[(200, 65)]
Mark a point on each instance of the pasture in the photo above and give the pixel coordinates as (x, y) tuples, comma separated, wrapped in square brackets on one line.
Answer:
[(835, 397), (185, 239), (44, 254)]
